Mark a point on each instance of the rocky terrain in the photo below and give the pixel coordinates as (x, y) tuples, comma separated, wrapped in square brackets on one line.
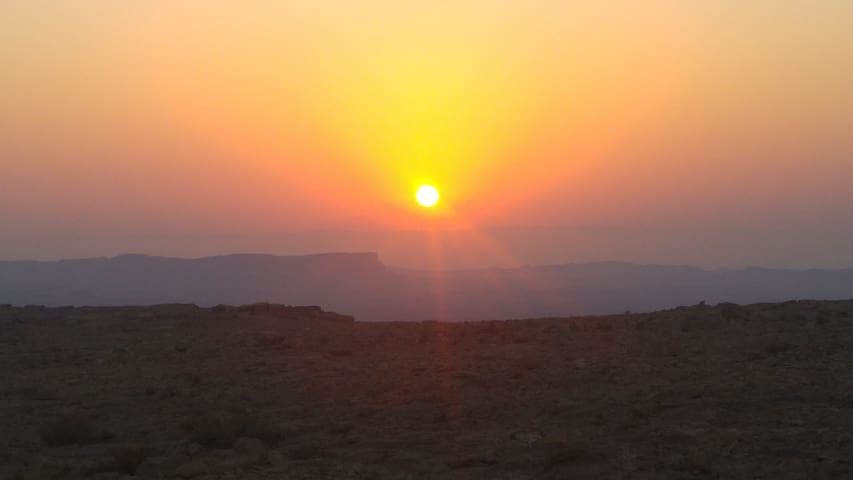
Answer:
[(762, 391)]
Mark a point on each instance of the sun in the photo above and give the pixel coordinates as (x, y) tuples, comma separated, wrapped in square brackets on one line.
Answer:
[(427, 195)]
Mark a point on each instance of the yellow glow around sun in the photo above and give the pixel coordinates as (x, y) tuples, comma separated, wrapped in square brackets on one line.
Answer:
[(427, 195)]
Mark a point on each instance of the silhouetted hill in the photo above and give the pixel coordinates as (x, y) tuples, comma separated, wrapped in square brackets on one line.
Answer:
[(359, 283), (140, 279)]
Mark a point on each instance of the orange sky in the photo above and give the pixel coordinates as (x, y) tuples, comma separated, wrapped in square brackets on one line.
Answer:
[(263, 116)]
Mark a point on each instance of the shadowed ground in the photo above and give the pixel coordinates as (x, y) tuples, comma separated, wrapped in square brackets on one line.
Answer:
[(763, 391)]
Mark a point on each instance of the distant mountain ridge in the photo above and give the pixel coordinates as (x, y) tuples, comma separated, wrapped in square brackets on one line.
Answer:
[(360, 284)]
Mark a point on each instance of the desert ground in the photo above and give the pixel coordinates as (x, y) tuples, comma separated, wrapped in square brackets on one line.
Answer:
[(762, 391)]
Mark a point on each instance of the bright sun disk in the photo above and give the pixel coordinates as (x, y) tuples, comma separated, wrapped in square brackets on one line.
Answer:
[(427, 195)]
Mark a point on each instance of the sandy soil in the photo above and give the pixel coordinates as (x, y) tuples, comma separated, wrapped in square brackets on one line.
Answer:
[(762, 391)]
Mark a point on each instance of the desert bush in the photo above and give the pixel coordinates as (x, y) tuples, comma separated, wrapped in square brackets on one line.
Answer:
[(68, 430)]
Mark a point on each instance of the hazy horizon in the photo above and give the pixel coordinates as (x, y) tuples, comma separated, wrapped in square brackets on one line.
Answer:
[(703, 248)]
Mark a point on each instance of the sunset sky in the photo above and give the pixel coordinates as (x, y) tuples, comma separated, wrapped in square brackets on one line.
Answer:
[(168, 126)]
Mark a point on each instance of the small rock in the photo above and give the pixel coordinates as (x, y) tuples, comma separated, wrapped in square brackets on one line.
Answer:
[(464, 462), (560, 447), (158, 466), (193, 449), (106, 464), (151, 467), (529, 438), (49, 468), (107, 476), (340, 353), (223, 453), (193, 469), (268, 339), (276, 459), (249, 446)]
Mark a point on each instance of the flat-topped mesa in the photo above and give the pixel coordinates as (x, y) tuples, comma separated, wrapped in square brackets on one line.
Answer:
[(285, 311)]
